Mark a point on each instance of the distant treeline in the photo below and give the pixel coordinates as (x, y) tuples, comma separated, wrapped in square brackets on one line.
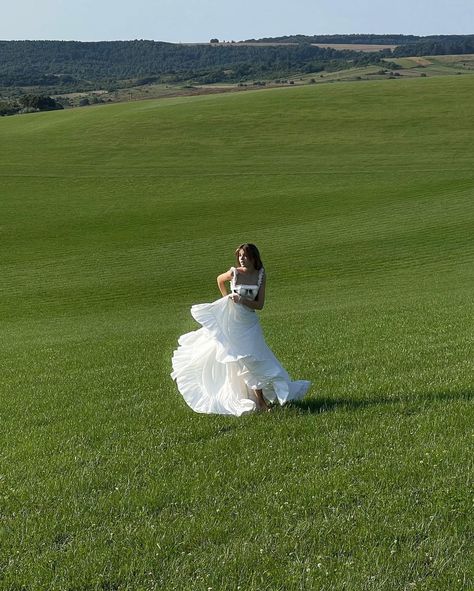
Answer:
[(342, 39), (441, 45), (29, 103), (73, 64), (409, 45)]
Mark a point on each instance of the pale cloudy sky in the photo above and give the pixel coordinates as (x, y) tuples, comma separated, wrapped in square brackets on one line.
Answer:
[(199, 20)]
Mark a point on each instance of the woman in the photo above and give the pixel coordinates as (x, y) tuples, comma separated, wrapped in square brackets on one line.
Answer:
[(226, 367)]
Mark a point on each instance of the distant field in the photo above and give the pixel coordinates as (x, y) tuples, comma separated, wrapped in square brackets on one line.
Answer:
[(355, 46), (114, 219), (439, 64), (464, 60)]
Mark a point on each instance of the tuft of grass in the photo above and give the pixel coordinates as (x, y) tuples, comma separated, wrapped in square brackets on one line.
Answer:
[(115, 219)]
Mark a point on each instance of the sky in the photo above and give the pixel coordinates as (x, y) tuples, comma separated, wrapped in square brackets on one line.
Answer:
[(194, 21)]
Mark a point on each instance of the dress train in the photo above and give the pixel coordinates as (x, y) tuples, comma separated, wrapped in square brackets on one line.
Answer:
[(218, 367)]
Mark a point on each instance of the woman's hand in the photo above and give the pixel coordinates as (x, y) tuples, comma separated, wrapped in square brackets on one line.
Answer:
[(235, 298)]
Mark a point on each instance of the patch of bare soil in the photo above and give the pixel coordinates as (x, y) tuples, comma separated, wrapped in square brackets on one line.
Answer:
[(420, 61)]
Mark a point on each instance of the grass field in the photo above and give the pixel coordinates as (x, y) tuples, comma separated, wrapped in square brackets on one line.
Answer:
[(115, 219)]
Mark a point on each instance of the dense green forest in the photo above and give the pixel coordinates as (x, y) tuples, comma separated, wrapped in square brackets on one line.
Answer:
[(441, 45), (78, 64)]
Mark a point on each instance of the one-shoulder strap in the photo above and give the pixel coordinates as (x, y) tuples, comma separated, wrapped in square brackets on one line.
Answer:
[(260, 277), (233, 270)]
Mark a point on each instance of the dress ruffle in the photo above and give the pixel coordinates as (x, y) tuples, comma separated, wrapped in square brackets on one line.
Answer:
[(218, 366)]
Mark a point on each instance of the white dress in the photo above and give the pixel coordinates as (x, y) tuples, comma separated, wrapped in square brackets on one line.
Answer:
[(218, 366)]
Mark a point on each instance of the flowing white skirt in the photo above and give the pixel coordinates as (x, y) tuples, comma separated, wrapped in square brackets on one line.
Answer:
[(218, 366)]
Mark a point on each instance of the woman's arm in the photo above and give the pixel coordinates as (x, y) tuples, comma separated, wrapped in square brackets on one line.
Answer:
[(222, 280), (260, 301)]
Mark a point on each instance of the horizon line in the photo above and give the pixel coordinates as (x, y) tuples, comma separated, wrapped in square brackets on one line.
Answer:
[(233, 41)]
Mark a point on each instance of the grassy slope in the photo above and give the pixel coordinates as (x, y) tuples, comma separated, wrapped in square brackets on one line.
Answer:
[(114, 220), (436, 65)]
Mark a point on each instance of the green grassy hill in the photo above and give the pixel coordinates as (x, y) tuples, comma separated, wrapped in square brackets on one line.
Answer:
[(115, 219), (437, 65)]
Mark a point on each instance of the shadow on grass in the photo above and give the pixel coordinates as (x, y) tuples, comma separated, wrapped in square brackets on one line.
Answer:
[(420, 399), (319, 405)]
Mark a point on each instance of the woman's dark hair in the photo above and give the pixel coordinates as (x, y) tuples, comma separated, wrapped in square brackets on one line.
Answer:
[(252, 252)]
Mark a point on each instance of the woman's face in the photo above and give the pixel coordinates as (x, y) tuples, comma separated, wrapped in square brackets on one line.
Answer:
[(244, 259)]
